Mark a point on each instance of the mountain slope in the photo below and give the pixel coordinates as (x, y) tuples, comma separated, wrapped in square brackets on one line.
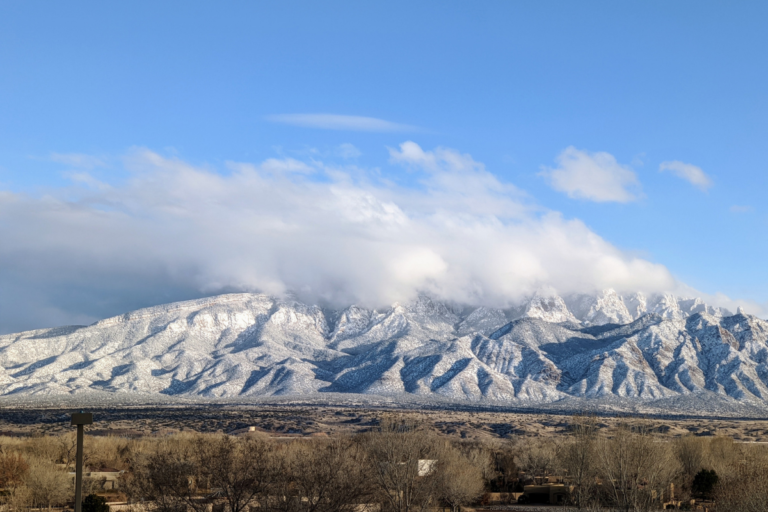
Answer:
[(546, 350)]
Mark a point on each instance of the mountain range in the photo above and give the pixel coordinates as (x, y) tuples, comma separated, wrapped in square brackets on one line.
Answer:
[(548, 349)]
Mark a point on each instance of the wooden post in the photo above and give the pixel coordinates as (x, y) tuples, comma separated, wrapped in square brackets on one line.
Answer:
[(80, 419)]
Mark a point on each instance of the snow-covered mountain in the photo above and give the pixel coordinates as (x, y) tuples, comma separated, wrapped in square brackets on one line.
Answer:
[(547, 349)]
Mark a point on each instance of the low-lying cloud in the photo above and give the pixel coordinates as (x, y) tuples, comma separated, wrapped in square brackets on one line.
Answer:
[(336, 235)]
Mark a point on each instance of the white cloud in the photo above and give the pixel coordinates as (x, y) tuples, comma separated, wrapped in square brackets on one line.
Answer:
[(280, 166), (456, 182), (733, 305), (340, 122), (690, 173), (439, 160), (348, 151), (78, 160), (593, 176), (175, 230), (86, 179), (737, 208)]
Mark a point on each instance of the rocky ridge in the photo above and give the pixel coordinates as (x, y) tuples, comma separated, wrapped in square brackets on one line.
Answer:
[(550, 348)]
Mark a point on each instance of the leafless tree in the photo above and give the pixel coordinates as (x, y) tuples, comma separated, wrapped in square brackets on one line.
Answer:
[(67, 444), (322, 477), (240, 469), (505, 465), (48, 485), (460, 480), (690, 452), (481, 455), (19, 499), (745, 486), (165, 479), (536, 456), (13, 469), (578, 459), (107, 451), (635, 468), (394, 452), (43, 448), (723, 455)]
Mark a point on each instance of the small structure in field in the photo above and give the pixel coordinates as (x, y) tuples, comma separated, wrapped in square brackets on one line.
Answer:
[(102, 479)]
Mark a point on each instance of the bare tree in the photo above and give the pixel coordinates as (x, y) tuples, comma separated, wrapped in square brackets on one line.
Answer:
[(43, 448), (480, 455), (107, 451), (723, 455), (505, 465), (394, 452), (745, 485), (635, 468), (460, 480), (13, 469), (537, 456), (690, 454), (577, 458), (165, 479), (179, 472), (67, 444), (19, 499), (322, 477), (48, 485), (240, 469)]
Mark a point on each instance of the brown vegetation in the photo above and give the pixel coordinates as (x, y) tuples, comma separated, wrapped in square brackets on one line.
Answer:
[(289, 420), (399, 463)]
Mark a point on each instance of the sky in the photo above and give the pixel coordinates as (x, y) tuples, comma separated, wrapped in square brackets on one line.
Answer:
[(366, 152)]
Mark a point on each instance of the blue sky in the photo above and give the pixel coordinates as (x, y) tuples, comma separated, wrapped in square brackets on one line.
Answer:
[(85, 87)]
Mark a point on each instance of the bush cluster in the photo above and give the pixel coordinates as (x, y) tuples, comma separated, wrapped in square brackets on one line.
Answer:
[(399, 465)]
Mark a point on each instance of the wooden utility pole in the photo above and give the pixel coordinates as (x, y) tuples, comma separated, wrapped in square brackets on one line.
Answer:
[(80, 418)]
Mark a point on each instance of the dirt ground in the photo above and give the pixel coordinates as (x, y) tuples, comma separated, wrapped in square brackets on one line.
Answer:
[(319, 421)]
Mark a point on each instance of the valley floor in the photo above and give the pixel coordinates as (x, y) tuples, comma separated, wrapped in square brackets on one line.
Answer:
[(328, 420)]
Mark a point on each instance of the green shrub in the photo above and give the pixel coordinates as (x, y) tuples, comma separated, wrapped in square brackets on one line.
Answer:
[(704, 483), (94, 503)]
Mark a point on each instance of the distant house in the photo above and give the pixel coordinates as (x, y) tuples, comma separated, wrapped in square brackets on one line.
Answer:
[(246, 430), (106, 479)]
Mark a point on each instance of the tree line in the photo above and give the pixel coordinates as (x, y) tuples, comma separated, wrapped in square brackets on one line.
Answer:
[(400, 465)]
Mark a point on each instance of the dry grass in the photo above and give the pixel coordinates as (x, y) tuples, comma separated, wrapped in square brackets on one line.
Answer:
[(288, 422)]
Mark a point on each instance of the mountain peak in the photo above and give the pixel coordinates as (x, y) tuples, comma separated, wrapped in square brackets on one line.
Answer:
[(550, 308), (257, 345), (607, 307)]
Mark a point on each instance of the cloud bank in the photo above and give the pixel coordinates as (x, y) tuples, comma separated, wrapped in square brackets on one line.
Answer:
[(593, 177), (337, 235)]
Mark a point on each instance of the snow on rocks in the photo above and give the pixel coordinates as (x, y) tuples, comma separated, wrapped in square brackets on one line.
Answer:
[(600, 345)]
